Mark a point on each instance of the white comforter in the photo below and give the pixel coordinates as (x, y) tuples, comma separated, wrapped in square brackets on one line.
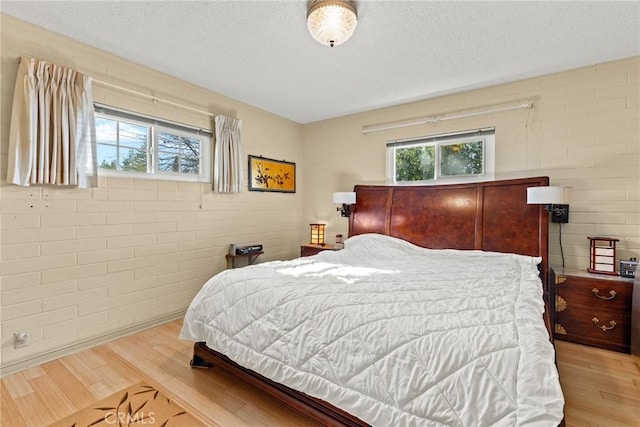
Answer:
[(394, 334)]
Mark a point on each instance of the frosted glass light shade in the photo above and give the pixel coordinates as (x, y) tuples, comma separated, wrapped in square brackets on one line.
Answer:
[(347, 198), (548, 195), (331, 22)]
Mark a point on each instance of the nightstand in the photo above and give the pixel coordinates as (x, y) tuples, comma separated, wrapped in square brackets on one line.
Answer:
[(593, 309), (309, 249)]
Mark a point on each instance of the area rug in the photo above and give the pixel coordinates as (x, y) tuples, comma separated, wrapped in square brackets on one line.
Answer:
[(138, 405)]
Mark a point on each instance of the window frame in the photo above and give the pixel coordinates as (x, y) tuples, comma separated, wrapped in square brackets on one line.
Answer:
[(157, 126), (487, 135)]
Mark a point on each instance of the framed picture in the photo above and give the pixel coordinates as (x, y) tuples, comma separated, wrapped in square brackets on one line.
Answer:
[(271, 175)]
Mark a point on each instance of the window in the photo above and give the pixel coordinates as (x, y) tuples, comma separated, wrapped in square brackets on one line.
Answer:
[(461, 157), (141, 146)]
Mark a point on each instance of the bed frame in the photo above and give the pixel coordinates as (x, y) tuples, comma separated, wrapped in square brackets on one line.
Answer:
[(490, 216)]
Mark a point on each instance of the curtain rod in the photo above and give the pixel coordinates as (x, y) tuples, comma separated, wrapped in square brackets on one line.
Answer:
[(154, 99), (447, 116)]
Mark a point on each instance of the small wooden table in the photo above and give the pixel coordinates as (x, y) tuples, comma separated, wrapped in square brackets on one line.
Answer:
[(311, 249), (251, 258)]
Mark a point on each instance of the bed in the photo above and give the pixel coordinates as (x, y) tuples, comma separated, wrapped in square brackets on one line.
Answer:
[(432, 314)]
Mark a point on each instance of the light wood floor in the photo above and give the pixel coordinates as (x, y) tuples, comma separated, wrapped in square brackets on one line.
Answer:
[(602, 388)]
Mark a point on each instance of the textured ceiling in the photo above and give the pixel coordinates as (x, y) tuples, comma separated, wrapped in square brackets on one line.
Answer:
[(261, 53)]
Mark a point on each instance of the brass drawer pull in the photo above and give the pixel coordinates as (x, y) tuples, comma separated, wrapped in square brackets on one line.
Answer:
[(604, 328), (612, 293)]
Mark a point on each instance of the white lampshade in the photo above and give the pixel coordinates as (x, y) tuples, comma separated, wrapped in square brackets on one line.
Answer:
[(347, 198), (550, 195), (331, 22)]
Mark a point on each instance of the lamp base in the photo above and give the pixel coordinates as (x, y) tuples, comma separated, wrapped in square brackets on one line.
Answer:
[(560, 213), (345, 210)]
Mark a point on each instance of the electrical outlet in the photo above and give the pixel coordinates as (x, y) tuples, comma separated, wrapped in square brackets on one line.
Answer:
[(21, 339)]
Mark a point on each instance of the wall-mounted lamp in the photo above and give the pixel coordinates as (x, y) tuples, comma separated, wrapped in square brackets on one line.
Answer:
[(555, 199), (346, 199), (317, 234)]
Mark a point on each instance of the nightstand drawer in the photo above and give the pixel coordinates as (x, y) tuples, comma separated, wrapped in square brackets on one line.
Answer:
[(600, 294), (600, 328)]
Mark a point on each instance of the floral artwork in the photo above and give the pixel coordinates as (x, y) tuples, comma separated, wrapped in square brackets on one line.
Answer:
[(271, 175)]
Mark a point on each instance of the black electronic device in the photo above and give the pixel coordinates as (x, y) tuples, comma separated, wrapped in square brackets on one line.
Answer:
[(628, 268), (248, 250)]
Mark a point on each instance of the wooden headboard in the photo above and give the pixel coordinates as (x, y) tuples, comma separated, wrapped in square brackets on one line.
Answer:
[(490, 216)]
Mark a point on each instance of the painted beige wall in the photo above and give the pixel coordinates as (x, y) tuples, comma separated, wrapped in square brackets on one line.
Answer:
[(79, 264), (583, 132)]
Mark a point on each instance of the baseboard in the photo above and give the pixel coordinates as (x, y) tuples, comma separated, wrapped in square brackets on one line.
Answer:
[(40, 358)]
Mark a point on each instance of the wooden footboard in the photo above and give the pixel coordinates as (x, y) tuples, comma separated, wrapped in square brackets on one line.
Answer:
[(316, 409)]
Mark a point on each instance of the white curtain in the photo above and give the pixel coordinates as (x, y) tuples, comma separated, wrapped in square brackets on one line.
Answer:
[(52, 139), (227, 162)]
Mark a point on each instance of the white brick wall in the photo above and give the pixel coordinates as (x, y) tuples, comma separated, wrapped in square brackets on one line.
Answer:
[(79, 264)]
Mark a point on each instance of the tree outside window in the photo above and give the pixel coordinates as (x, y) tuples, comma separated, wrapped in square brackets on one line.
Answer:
[(461, 158), (151, 149), (451, 158), (415, 163)]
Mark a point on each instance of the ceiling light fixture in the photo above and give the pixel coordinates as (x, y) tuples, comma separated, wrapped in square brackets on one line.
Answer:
[(331, 22)]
